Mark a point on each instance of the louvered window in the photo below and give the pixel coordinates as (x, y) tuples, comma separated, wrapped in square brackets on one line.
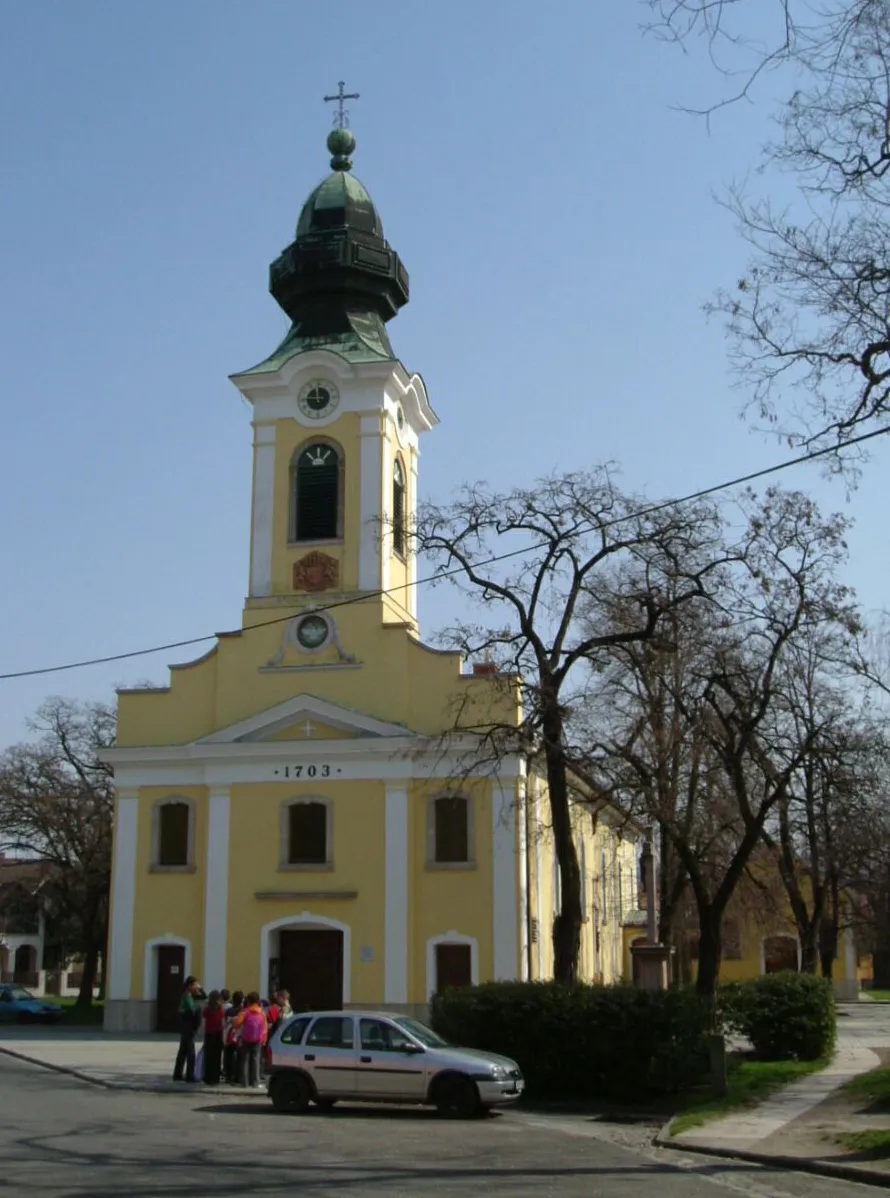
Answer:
[(398, 509), (317, 494)]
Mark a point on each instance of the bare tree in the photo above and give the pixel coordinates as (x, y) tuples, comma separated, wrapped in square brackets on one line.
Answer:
[(809, 319), (56, 803), (561, 535), (693, 743), (828, 792)]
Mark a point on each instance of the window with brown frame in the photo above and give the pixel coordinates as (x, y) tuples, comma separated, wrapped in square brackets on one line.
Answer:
[(307, 834), (173, 834), (454, 966), (452, 833)]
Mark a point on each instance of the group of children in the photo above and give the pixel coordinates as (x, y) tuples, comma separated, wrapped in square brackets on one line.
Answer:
[(236, 1028)]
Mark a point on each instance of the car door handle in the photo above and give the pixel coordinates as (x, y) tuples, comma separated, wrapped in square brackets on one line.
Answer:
[(365, 1060), (309, 1056)]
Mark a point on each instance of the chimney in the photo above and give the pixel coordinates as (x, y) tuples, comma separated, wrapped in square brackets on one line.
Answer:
[(485, 669)]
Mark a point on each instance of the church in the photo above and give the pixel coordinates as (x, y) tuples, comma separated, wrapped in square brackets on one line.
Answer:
[(295, 808)]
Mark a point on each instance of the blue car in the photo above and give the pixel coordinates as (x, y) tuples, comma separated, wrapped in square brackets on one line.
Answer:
[(19, 1005)]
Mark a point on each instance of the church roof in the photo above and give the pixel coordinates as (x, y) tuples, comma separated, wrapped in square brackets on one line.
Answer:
[(339, 200), (339, 281)]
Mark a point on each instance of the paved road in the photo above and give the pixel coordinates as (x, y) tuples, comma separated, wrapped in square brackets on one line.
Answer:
[(61, 1138)]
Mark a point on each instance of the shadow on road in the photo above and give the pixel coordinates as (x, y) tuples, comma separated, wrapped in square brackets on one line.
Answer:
[(341, 1111)]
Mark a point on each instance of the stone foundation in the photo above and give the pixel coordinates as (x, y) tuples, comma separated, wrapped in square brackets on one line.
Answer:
[(129, 1015), (846, 991)]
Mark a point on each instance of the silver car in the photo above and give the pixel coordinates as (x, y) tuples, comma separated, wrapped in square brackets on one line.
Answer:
[(366, 1056)]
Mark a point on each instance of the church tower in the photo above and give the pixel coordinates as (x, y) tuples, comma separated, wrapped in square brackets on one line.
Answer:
[(337, 419), (297, 806)]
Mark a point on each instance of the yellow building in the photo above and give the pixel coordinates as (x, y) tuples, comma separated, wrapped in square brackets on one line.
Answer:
[(288, 812), (759, 937)]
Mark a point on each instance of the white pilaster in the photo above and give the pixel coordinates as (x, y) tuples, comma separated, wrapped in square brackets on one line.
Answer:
[(123, 894), (412, 555), (216, 900), (371, 503), (539, 877), (263, 510), (524, 909), (505, 905), (395, 953)]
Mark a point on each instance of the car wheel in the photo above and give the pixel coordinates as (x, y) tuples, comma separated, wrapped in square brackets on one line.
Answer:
[(24, 1018), (290, 1095), (326, 1104), (457, 1098)]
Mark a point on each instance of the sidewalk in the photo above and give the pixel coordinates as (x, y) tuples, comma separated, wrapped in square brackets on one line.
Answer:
[(798, 1126), (118, 1062)]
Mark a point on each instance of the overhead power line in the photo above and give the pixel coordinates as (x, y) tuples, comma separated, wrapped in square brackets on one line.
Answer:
[(498, 557)]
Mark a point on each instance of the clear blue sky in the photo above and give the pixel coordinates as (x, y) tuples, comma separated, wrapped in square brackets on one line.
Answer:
[(554, 213)]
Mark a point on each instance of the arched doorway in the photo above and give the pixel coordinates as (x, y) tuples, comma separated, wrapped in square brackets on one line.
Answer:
[(309, 956), (780, 954), (25, 967)]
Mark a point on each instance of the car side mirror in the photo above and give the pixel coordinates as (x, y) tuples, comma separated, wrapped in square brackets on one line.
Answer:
[(412, 1050)]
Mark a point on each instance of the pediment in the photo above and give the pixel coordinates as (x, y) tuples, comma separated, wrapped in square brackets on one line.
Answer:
[(301, 718)]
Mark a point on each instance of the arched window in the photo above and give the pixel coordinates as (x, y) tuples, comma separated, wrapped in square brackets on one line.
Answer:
[(173, 834), (317, 493), (306, 834), (399, 507)]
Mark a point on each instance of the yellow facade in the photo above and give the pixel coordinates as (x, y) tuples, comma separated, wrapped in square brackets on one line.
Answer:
[(607, 857), (760, 936), (303, 805)]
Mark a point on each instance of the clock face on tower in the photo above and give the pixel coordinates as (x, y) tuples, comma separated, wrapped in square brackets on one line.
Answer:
[(318, 398)]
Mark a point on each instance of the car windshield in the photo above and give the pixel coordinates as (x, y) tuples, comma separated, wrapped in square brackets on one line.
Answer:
[(18, 993), (427, 1037)]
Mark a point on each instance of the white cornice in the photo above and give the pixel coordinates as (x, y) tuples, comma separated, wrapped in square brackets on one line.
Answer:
[(295, 711)]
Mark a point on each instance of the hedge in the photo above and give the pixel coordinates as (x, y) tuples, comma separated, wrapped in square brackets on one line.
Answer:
[(579, 1041), (784, 1015)]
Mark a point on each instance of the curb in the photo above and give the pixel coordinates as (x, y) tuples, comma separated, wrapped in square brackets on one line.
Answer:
[(131, 1087), (797, 1164)]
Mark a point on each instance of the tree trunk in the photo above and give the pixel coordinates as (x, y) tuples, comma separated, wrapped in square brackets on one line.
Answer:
[(88, 977), (830, 931), (809, 948), (881, 953), (828, 948), (710, 950), (567, 924)]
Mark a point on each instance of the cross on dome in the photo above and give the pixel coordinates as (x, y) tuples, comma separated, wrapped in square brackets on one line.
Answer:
[(341, 116)]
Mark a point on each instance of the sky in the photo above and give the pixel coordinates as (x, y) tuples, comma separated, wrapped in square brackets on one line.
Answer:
[(554, 208)]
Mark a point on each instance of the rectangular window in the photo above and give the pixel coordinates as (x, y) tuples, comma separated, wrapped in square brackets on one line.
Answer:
[(307, 842), (451, 832), (173, 835), (454, 966)]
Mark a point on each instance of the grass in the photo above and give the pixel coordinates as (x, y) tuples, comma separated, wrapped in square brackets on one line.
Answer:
[(872, 1087), (869, 1143), (878, 995), (77, 1016), (749, 1082)]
